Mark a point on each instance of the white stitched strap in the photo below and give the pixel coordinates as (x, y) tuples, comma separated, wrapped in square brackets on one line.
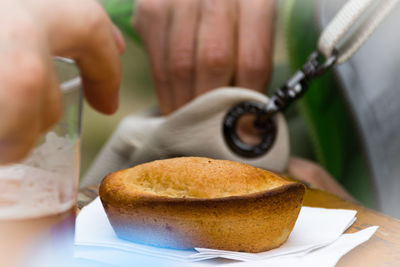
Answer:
[(345, 19)]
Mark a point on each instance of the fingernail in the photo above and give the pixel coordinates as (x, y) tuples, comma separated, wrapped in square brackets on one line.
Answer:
[(119, 39), (116, 103)]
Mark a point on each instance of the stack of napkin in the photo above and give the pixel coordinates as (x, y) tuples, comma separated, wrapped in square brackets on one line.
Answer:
[(317, 239)]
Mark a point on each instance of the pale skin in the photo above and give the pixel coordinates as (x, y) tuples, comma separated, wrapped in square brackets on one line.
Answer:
[(32, 32), (194, 46)]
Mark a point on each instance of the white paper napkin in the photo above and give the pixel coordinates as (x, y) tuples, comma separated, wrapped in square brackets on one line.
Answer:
[(314, 234), (326, 256), (314, 228), (93, 229)]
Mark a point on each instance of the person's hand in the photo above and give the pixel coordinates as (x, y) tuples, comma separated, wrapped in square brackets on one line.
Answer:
[(197, 45), (31, 32), (315, 176)]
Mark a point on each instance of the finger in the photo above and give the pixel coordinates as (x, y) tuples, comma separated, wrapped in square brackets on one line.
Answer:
[(101, 74), (216, 45), (100, 64), (52, 106), (119, 39), (316, 176), (255, 43), (181, 50), (26, 75), (23, 80), (152, 24), (89, 38)]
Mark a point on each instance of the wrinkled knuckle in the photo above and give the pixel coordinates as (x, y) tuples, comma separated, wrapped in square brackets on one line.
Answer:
[(95, 17), (217, 61), (150, 8), (255, 68), (182, 68), (148, 11), (32, 74)]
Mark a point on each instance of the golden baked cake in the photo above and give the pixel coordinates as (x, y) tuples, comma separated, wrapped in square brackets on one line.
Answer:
[(200, 202)]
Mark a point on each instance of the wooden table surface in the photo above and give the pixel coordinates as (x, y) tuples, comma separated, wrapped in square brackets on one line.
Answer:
[(383, 249)]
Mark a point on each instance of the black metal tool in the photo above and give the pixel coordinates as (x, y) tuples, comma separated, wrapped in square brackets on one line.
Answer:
[(294, 88)]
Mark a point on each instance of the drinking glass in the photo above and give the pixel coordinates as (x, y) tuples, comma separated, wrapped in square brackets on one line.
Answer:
[(38, 194)]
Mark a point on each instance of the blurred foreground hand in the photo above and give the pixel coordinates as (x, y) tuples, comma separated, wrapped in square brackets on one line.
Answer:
[(31, 32), (197, 45)]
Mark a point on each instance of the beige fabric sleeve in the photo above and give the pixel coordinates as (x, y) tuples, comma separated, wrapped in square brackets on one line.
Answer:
[(193, 130)]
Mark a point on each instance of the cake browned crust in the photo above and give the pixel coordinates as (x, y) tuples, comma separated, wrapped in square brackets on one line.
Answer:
[(200, 202)]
